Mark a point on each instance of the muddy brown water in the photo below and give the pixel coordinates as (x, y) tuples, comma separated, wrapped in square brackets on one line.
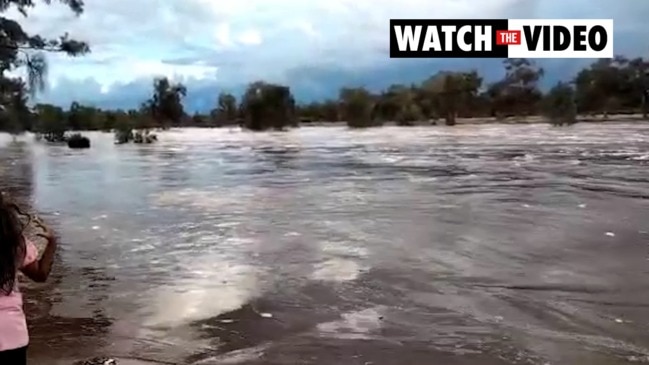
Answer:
[(487, 244)]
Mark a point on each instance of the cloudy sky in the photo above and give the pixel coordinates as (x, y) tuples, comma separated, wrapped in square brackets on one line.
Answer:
[(315, 46)]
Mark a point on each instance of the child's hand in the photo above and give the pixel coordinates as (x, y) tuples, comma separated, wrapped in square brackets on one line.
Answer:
[(47, 232)]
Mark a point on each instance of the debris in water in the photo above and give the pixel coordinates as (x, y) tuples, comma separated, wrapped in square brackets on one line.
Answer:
[(617, 320), (526, 205), (97, 361), (610, 234), (644, 359), (266, 315), (95, 227), (582, 205)]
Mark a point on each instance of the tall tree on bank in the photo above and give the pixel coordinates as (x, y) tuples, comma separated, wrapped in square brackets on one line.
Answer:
[(357, 107), (165, 105), (19, 49), (613, 85), (559, 105), (266, 106), (452, 91), (15, 116), (226, 111), (399, 103), (518, 92)]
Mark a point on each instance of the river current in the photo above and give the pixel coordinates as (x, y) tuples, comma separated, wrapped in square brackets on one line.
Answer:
[(484, 244)]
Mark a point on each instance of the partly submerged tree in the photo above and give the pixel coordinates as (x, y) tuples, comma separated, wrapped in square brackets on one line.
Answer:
[(325, 111), (52, 123), (613, 85), (226, 111), (399, 103), (165, 105), (357, 107), (123, 126), (518, 93), (15, 115), (451, 91), (559, 105), (266, 106)]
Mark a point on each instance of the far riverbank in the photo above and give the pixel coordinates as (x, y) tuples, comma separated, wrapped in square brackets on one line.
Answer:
[(535, 119)]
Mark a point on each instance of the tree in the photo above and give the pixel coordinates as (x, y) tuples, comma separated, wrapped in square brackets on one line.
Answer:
[(450, 90), (559, 105), (357, 107), (518, 92), (199, 120), (320, 111), (610, 85), (165, 105), (639, 80), (266, 106), (226, 110), (75, 117), (52, 123), (399, 103), (15, 116), (20, 49)]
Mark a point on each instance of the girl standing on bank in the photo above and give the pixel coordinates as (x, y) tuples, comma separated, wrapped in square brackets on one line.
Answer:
[(17, 253)]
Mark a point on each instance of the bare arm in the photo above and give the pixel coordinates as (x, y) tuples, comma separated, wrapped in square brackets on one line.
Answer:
[(39, 270)]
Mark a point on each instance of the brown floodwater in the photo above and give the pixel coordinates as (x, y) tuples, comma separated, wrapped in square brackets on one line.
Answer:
[(520, 244)]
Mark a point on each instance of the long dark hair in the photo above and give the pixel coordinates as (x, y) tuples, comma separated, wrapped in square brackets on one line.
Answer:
[(12, 244)]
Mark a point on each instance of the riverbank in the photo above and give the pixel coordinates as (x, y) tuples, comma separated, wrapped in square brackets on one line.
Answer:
[(531, 120), (535, 119), (540, 119)]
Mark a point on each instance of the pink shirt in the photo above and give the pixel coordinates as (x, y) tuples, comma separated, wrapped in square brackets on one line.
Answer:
[(13, 325)]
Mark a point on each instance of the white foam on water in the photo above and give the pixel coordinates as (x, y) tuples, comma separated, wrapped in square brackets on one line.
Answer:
[(358, 325), (343, 248), (122, 361), (342, 261), (417, 179), (224, 200), (201, 199), (205, 288), (142, 247), (235, 357), (337, 270)]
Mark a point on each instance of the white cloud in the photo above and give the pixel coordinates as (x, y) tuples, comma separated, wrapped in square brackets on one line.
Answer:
[(305, 27), (223, 36), (250, 37)]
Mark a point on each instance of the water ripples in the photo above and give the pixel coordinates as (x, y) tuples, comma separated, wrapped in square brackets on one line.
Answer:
[(476, 244)]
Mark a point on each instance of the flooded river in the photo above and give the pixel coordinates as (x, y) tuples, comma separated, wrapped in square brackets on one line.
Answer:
[(466, 245)]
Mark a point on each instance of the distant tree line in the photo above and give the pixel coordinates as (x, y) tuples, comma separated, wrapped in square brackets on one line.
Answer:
[(607, 86)]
